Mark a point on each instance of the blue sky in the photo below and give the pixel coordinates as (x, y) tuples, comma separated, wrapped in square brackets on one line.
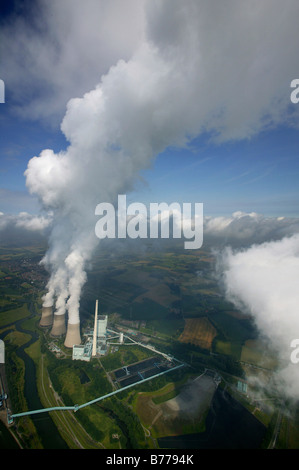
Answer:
[(255, 173), (20, 141), (260, 175)]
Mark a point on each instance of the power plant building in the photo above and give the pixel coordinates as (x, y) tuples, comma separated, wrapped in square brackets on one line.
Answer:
[(100, 339), (82, 352), (60, 327), (97, 343), (99, 346), (102, 326)]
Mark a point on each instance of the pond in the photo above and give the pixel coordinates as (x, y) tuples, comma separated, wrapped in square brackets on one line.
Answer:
[(84, 379)]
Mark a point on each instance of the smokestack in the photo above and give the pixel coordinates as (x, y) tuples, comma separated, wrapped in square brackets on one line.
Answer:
[(58, 328), (94, 344), (46, 318), (72, 335)]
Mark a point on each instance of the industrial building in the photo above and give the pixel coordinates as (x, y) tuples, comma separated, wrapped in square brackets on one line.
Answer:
[(97, 339), (242, 386), (141, 370), (82, 352), (99, 346)]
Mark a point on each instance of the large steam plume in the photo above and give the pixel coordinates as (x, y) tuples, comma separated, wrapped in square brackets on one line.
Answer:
[(198, 68)]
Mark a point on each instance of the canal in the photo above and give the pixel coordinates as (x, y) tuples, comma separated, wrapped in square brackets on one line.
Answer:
[(46, 429)]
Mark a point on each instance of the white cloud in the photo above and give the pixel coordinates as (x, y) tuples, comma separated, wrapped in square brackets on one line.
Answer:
[(24, 220), (60, 49), (237, 58), (34, 223), (244, 229), (263, 280)]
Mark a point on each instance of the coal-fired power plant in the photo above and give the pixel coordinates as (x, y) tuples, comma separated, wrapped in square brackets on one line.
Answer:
[(59, 327)]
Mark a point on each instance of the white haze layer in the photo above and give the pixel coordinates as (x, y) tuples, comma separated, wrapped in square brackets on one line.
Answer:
[(263, 280), (218, 67)]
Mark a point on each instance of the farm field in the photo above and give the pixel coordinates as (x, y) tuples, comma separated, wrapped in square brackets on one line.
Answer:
[(256, 352), (198, 331), (158, 288)]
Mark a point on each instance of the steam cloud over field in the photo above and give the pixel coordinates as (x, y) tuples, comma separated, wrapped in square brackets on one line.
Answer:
[(263, 280)]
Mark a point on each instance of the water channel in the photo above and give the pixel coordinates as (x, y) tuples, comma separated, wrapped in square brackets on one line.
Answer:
[(44, 424)]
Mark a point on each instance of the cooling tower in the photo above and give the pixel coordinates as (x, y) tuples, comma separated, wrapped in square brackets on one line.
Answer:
[(58, 328), (72, 335), (47, 317)]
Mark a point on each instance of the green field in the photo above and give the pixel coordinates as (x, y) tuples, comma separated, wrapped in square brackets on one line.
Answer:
[(13, 315)]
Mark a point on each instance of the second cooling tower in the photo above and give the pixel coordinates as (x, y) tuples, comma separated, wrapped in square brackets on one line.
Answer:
[(59, 327), (72, 335)]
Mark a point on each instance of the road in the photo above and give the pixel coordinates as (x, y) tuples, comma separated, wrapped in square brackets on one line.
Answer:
[(67, 422), (276, 430)]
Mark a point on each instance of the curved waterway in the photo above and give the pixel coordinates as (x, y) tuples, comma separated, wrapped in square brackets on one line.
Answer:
[(44, 424)]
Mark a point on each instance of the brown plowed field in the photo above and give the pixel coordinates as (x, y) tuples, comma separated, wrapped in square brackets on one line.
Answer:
[(198, 331)]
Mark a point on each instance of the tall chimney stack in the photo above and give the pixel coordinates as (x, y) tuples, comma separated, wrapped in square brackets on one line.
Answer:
[(94, 344), (59, 327), (46, 318), (72, 335)]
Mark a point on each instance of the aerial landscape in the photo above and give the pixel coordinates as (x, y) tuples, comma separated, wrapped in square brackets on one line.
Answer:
[(149, 227), (167, 300)]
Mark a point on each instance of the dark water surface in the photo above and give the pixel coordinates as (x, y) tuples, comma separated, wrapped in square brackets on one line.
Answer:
[(45, 427), (229, 425), (6, 439)]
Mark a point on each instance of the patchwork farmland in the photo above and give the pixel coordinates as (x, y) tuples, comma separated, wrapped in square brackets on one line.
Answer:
[(198, 331)]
